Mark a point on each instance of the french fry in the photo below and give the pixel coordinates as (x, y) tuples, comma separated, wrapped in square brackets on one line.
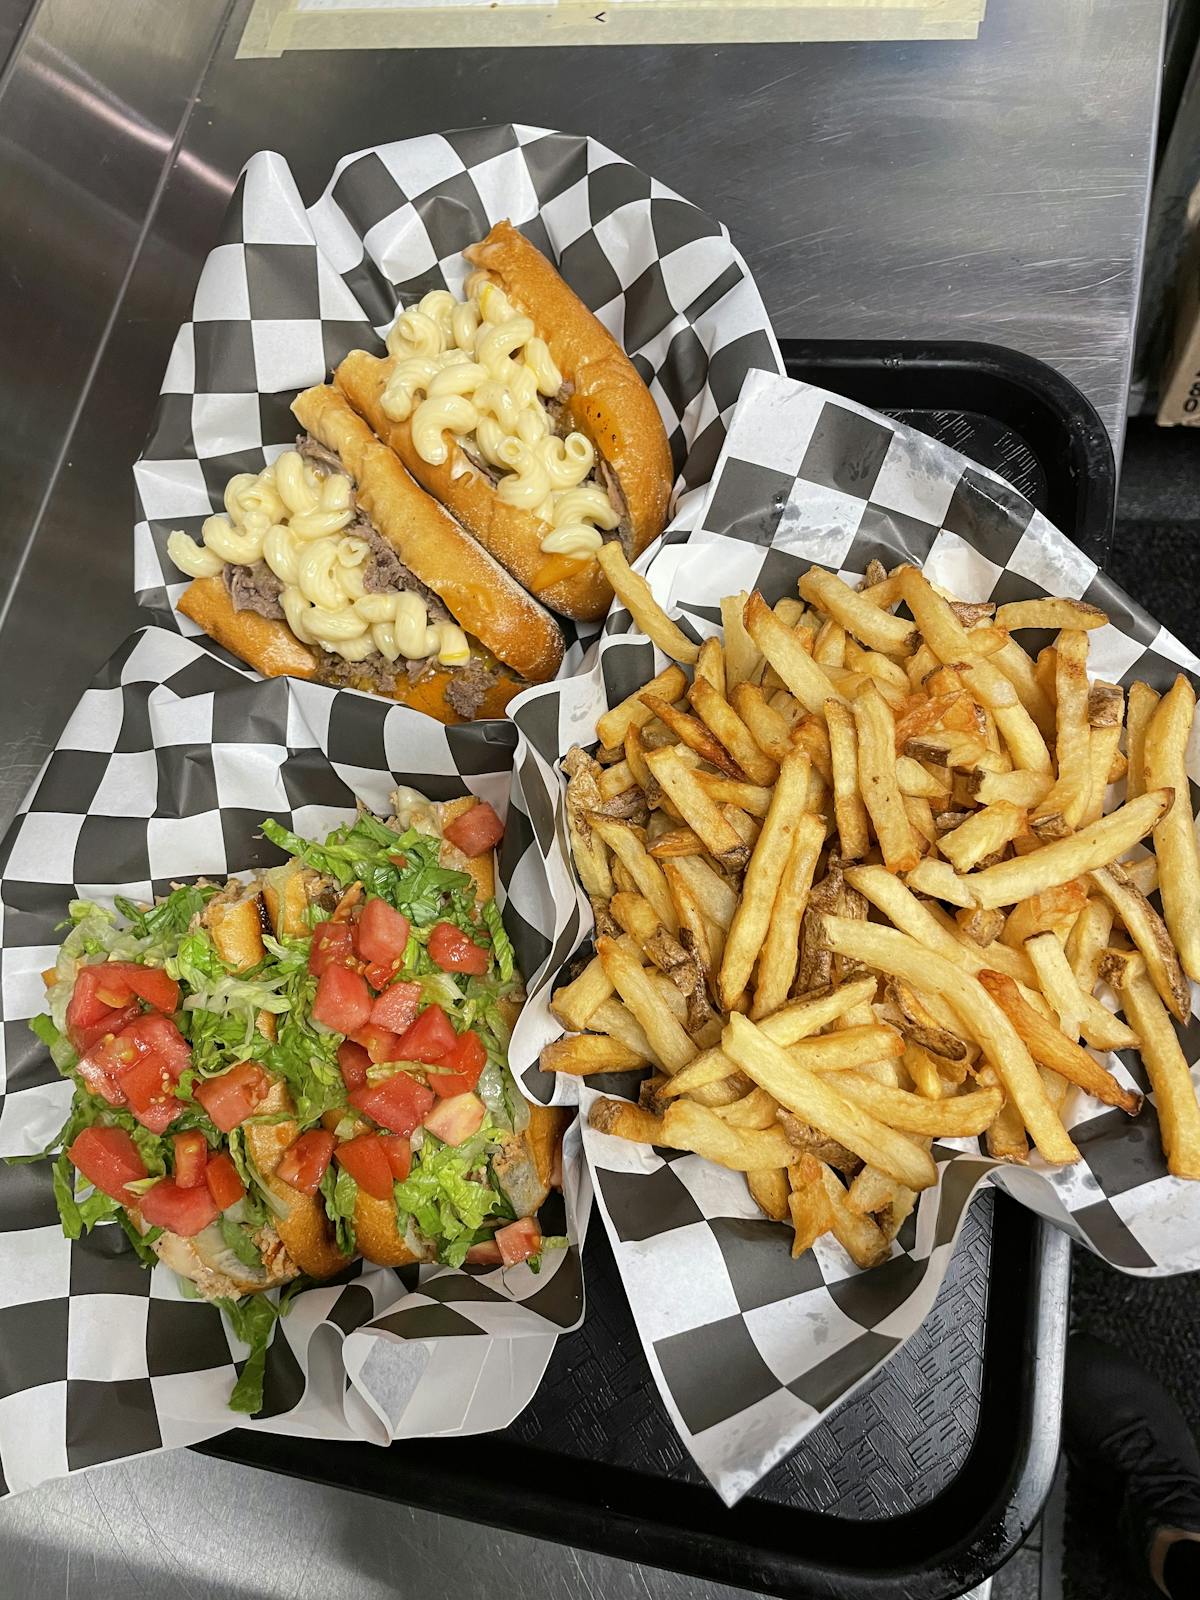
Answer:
[(922, 1069), (939, 879), (1072, 789), (1057, 863), (1051, 912), (633, 712), (1057, 982), (770, 1191), (755, 1109), (809, 1141), (914, 779), (781, 945), (615, 1019), (726, 726), (714, 896), (693, 733), (636, 916), (960, 1117), (753, 798), (982, 834), (875, 727), (583, 794), (688, 1126), (645, 872), (1006, 1138), (1167, 1067), (918, 1025), (1142, 873), (829, 646), (748, 930), (624, 1120), (634, 593), (1050, 1047), (808, 1205), (1138, 713), (581, 1054), (812, 736), (849, 810), (981, 927), (875, 627), (862, 1239), (1050, 614), (1164, 753), (743, 661), (575, 1003), (1087, 941), (1020, 788), (802, 1018), (698, 811), (710, 665), (871, 664), (1149, 932), (771, 730), (897, 953), (817, 1102), (872, 1192), (711, 1066), (797, 670), (615, 780), (1106, 713), (848, 1049), (635, 757), (666, 1034), (676, 842)]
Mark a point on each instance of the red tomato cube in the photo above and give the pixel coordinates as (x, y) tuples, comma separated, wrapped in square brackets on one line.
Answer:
[(354, 1061), (101, 1066), (381, 1044), (396, 1007), (332, 942), (84, 1007), (303, 1165), (484, 1254), (399, 1153), (186, 1212), (110, 1023), (367, 1162), (234, 1096), (454, 952), (343, 1000), (477, 830), (108, 1159), (399, 1103), (154, 1035), (519, 1240), (458, 1070), (429, 1038), (191, 1158), (150, 984), (224, 1184), (382, 932), (456, 1119), (147, 1083)]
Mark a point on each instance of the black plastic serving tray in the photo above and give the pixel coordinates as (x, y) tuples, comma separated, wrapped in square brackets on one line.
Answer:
[(924, 1481)]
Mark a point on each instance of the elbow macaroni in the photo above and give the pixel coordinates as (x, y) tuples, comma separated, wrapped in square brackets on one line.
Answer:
[(293, 518), (477, 367)]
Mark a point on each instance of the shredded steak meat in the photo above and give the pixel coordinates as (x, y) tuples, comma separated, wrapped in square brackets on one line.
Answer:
[(318, 455), (468, 686), (254, 588), (612, 488)]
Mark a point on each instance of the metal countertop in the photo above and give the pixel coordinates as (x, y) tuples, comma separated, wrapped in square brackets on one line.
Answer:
[(993, 191)]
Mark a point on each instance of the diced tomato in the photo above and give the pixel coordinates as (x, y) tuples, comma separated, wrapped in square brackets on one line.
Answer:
[(519, 1240), (343, 1000), (367, 1162), (186, 1212), (154, 1035), (112, 1022), (456, 1119), (454, 952), (397, 1006), (382, 932), (380, 973), (458, 1070), (101, 1067), (150, 1090), (477, 830), (84, 1008), (331, 942), (381, 1044), (429, 1038), (191, 1158), (303, 1165), (108, 1159), (223, 1182), (484, 1254), (150, 984), (354, 1061), (234, 1096), (399, 1153), (399, 1103)]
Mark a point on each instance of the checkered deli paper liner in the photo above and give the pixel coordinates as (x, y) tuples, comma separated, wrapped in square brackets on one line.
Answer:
[(288, 292), (749, 1348), (165, 771)]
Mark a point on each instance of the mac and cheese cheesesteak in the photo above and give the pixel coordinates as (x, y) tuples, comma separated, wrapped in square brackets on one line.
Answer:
[(333, 564), (522, 415)]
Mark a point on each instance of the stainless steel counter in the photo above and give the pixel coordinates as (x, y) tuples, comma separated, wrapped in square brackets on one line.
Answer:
[(993, 191)]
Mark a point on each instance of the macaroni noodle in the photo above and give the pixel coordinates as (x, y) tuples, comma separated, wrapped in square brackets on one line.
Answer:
[(292, 517)]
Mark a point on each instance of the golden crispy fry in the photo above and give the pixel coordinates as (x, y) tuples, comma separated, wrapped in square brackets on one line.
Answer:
[(851, 1047), (939, 879), (693, 733), (575, 1003), (797, 670), (1006, 1138), (1058, 982), (755, 1109), (666, 1034), (1149, 932), (1088, 940), (710, 665), (1072, 789), (743, 660), (615, 780), (725, 724), (875, 627), (870, 664), (982, 834), (771, 730), (624, 1120), (802, 1018), (636, 916), (633, 712), (674, 842), (635, 756), (1049, 613), (687, 1126), (873, 1194), (981, 927), (770, 1191), (818, 1102), (1142, 703), (922, 1069), (1057, 863), (919, 1026), (749, 797), (897, 953), (634, 593), (877, 779), (763, 873), (829, 646), (1106, 713), (1167, 1067), (812, 736), (1142, 874), (849, 810), (960, 1117), (583, 796), (1020, 788), (714, 896), (808, 1205), (863, 1240), (1051, 1047), (615, 1019), (580, 1054), (697, 810), (645, 872), (914, 779), (1164, 752), (781, 945), (1054, 911)]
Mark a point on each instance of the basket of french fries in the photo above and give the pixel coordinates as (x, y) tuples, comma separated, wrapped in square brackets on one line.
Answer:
[(891, 877)]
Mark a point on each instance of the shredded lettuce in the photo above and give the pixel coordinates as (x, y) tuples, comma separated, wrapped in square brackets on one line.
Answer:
[(239, 1241), (142, 1242), (62, 1051), (170, 916), (253, 1321), (501, 944), (305, 1057), (341, 1195), (444, 1199)]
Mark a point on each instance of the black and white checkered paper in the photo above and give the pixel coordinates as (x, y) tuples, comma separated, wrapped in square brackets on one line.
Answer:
[(165, 772), (289, 291), (751, 1349)]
